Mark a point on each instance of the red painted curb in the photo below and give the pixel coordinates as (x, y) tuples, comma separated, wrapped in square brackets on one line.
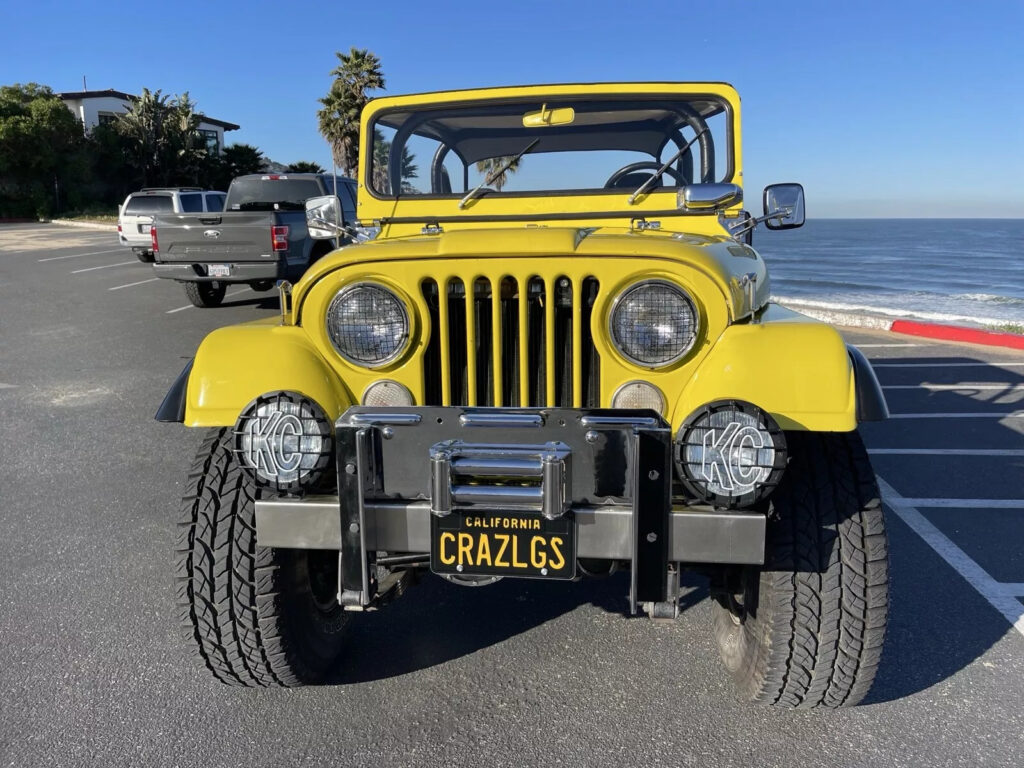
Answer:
[(957, 333)]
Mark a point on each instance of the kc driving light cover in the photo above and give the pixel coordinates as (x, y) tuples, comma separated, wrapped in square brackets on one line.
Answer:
[(368, 324), (284, 440), (730, 453), (653, 323)]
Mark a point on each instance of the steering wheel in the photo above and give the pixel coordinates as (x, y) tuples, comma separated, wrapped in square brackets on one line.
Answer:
[(644, 165)]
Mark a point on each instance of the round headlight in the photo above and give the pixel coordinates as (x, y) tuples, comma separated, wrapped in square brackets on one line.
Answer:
[(368, 324), (653, 323), (730, 453), (284, 440)]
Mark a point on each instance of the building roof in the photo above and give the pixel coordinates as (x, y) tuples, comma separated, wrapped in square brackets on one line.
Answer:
[(110, 93)]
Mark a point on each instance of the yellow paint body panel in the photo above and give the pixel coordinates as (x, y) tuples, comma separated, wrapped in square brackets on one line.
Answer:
[(795, 368)]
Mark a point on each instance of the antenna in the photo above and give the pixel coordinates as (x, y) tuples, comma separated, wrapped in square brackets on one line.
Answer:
[(84, 86)]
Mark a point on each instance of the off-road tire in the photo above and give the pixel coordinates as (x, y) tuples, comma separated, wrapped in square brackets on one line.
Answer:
[(251, 611), (205, 294), (807, 629)]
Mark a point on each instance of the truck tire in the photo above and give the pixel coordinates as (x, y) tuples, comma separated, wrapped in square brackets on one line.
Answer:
[(258, 616), (146, 257), (205, 294), (806, 629)]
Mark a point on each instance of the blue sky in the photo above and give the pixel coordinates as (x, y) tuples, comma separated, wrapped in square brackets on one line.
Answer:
[(880, 108)]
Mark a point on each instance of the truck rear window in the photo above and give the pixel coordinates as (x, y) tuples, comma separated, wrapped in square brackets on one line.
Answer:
[(149, 204), (271, 194)]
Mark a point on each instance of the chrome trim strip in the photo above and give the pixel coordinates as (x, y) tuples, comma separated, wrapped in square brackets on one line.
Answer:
[(501, 420), (381, 419), (595, 421)]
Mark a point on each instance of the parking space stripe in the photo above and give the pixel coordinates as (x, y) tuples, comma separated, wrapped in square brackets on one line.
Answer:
[(76, 255), (992, 364), (945, 452), (994, 592), (961, 503), (1014, 590), (190, 306), (954, 387), (104, 266), (129, 285), (1004, 415)]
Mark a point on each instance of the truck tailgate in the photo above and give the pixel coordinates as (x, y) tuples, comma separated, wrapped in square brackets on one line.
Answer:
[(232, 236)]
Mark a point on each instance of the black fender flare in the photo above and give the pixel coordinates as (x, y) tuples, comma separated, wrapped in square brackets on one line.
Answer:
[(172, 409), (871, 405)]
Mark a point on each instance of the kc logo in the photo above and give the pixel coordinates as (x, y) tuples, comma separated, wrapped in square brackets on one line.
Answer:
[(274, 443), (730, 458)]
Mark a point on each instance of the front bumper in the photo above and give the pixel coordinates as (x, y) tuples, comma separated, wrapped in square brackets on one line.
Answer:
[(609, 471)]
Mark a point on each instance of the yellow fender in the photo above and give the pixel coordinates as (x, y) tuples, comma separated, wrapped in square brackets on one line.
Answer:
[(796, 369), (237, 364)]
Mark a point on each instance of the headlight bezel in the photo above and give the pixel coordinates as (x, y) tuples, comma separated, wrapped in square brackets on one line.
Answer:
[(631, 288), (407, 318)]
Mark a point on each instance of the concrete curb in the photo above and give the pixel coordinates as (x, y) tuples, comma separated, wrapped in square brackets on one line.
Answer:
[(936, 331), (84, 225)]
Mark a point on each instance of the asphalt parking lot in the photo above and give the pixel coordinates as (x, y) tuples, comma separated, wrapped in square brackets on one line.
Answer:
[(94, 669)]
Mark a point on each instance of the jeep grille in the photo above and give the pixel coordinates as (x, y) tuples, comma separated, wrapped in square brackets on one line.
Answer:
[(521, 341)]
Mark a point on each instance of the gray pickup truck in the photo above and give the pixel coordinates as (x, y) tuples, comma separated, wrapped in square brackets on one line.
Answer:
[(258, 239)]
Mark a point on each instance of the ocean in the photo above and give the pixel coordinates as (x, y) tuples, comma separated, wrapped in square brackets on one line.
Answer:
[(942, 270)]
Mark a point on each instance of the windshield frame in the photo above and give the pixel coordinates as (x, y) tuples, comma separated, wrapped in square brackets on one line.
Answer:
[(727, 152)]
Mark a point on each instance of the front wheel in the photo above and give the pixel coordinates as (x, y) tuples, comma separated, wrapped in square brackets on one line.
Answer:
[(806, 629), (257, 616), (205, 294)]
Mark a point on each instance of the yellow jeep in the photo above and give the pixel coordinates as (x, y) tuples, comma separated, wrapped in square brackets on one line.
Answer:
[(549, 354)]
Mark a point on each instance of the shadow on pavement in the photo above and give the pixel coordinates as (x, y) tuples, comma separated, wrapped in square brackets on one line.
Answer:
[(938, 623)]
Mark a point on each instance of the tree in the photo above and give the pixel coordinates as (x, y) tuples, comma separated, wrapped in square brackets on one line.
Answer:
[(382, 159), (304, 166), (42, 150), (491, 164), (143, 126), (357, 73)]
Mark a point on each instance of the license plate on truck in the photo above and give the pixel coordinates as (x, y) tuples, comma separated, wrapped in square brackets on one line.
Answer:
[(219, 270), (519, 544)]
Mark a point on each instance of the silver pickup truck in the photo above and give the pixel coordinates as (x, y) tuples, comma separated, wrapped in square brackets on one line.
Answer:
[(258, 239)]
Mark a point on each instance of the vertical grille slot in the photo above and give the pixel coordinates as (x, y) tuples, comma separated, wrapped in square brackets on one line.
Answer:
[(563, 347), (589, 358), (457, 368), (432, 373), (536, 336), (482, 351), (509, 357)]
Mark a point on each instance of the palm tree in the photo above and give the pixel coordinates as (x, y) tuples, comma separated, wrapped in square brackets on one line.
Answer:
[(143, 126), (241, 159), (491, 164), (381, 160), (184, 151), (303, 166), (358, 71)]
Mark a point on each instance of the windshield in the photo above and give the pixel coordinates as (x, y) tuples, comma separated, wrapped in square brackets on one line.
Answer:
[(609, 144), (268, 193), (149, 204)]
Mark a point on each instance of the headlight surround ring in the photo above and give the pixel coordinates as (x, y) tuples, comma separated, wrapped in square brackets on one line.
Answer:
[(730, 453), (686, 327), (376, 297)]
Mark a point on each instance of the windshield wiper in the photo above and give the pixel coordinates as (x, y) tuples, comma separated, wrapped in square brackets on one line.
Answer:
[(490, 177), (665, 167)]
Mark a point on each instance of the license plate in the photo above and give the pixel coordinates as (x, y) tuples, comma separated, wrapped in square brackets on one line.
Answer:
[(219, 270), (144, 229), (522, 544)]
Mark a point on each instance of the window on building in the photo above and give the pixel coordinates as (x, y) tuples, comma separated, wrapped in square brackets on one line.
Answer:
[(107, 118), (211, 140)]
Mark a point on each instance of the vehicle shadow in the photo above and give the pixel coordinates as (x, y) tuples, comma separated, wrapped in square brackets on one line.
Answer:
[(268, 300), (438, 622), (938, 623)]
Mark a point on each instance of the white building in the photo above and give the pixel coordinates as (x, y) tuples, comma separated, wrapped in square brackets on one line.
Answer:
[(95, 107)]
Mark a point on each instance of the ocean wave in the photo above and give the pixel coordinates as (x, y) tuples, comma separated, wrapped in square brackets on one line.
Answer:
[(989, 297), (896, 312)]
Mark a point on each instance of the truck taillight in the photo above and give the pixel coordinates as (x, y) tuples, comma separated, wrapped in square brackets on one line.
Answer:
[(278, 238), (152, 237)]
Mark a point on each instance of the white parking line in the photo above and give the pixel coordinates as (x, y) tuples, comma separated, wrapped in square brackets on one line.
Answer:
[(8, 386), (104, 266), (1004, 415), (946, 452), (192, 306), (955, 387), (994, 592), (944, 365), (129, 285), (76, 255), (1013, 590), (961, 503)]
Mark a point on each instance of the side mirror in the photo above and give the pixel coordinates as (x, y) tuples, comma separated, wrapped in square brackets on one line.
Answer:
[(784, 206), (323, 217), (709, 197)]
